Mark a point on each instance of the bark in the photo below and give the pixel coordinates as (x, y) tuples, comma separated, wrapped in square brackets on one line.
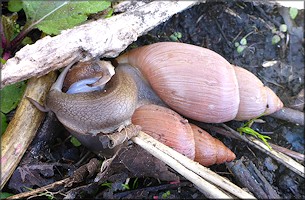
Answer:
[(100, 38)]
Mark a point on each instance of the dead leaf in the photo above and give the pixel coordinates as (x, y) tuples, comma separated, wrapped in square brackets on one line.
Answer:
[(31, 176), (137, 162)]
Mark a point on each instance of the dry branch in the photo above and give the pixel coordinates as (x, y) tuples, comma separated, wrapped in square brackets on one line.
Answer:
[(206, 180), (276, 147), (290, 115), (280, 157), (100, 38), (201, 176), (22, 128), (39, 190), (250, 177)]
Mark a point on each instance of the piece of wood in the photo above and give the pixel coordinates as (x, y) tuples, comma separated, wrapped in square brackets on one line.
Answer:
[(278, 156), (250, 177), (101, 38), (39, 190), (290, 115), (276, 147), (206, 180), (22, 128)]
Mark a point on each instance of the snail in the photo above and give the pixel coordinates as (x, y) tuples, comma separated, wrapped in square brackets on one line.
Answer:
[(200, 84), (171, 129), (193, 81)]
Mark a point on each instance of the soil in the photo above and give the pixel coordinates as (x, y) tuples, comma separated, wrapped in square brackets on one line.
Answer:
[(216, 26)]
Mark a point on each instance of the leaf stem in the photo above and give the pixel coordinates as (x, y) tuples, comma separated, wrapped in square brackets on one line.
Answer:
[(3, 38), (246, 128), (11, 46)]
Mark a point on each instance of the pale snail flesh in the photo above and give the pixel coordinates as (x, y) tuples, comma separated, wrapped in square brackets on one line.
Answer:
[(98, 111)]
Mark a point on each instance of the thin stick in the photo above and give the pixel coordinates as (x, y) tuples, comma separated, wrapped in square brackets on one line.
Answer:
[(276, 147), (288, 152), (291, 115), (282, 158), (188, 168), (39, 190)]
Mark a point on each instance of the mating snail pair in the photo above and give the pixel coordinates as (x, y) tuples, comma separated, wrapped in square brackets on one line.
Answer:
[(193, 81)]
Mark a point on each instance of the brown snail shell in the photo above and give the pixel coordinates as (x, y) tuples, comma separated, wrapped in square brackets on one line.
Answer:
[(198, 83), (255, 98), (171, 129), (167, 127), (209, 150)]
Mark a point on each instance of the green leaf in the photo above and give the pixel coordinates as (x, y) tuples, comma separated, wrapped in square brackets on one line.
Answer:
[(53, 16), (2, 61), (166, 194), (240, 48), (27, 40), (10, 96), (293, 12), (273, 30), (4, 195), (243, 41), (75, 142), (178, 35), (14, 5), (175, 36), (10, 27), (135, 184), (276, 39), (107, 184), (283, 28), (3, 123), (109, 13), (126, 186)]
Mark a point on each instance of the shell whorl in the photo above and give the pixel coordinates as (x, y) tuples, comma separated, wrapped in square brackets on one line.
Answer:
[(200, 84), (186, 77)]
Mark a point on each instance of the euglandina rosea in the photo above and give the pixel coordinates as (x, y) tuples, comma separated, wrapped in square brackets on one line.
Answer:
[(196, 82), (200, 84), (171, 129)]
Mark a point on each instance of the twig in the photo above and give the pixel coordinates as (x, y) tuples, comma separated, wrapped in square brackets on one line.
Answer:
[(39, 190), (291, 115), (22, 128), (191, 170), (268, 17), (288, 152), (222, 33), (282, 158), (250, 177), (228, 134)]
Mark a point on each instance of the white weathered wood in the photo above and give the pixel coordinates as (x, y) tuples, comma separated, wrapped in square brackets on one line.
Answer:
[(101, 38), (294, 4), (207, 181)]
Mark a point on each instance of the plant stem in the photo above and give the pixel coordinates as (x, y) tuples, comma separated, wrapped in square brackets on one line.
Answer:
[(3, 38)]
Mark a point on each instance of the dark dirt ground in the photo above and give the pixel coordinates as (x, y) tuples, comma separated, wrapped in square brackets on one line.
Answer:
[(216, 26)]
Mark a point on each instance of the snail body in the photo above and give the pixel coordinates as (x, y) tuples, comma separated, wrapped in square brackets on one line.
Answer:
[(77, 112)]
